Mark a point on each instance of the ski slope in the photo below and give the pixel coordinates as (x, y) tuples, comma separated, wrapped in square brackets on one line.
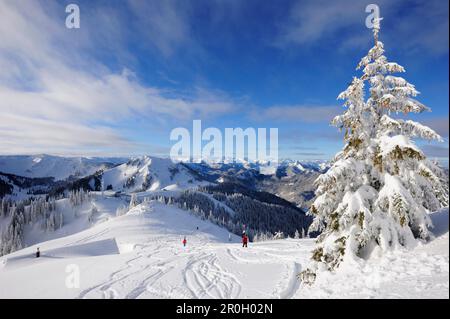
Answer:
[(140, 255)]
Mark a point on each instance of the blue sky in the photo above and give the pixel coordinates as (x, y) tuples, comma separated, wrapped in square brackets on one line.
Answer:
[(137, 69)]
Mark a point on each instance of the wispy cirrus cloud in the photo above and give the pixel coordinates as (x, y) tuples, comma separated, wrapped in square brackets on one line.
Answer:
[(166, 24), (56, 96), (135, 66), (312, 21), (297, 113)]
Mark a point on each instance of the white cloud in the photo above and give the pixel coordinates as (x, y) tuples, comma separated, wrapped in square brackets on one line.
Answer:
[(55, 97), (165, 23), (312, 20), (412, 25), (297, 113)]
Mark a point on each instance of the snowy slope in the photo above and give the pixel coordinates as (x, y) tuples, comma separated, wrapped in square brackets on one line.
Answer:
[(54, 166), (140, 255), (420, 273)]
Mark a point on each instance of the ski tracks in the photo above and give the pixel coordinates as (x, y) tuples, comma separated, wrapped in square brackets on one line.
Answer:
[(89, 238), (131, 275), (205, 278), (293, 283), (148, 282), (152, 270), (289, 283)]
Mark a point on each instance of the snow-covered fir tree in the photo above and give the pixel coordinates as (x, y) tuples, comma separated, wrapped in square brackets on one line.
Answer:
[(133, 201), (78, 197), (93, 212), (380, 188), (4, 208), (121, 210), (12, 237), (41, 211), (278, 235)]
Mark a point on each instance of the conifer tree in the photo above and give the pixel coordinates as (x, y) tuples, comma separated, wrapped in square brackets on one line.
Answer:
[(13, 235), (380, 187), (133, 201)]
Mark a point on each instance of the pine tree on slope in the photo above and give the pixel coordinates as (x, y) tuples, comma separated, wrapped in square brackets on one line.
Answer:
[(381, 186), (12, 237), (133, 201)]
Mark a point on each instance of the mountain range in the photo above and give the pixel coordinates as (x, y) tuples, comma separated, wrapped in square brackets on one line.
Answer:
[(28, 175)]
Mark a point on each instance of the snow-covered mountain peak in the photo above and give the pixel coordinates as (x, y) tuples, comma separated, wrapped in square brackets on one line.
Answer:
[(148, 173), (60, 168)]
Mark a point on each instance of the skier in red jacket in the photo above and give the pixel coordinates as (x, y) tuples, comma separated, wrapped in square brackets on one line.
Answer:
[(184, 242), (244, 240)]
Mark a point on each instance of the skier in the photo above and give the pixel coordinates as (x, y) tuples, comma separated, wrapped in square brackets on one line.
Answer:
[(244, 240), (229, 237), (184, 241), (38, 253)]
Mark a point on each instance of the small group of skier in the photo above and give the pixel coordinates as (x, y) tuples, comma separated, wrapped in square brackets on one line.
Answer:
[(244, 239)]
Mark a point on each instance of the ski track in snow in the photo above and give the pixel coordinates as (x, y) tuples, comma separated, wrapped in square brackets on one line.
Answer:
[(293, 282), (202, 274), (88, 238), (205, 278)]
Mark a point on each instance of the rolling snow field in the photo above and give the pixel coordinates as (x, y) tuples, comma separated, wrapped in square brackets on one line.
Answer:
[(140, 255)]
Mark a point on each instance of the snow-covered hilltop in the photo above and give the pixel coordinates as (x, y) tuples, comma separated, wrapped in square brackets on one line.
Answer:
[(140, 255), (148, 174)]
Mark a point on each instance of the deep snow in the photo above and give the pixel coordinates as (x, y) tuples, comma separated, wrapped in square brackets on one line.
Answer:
[(140, 255)]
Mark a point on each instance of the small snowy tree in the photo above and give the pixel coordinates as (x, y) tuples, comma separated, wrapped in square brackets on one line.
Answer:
[(102, 185), (92, 214), (133, 201), (5, 206), (297, 234), (12, 236), (380, 188), (122, 210), (278, 235)]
